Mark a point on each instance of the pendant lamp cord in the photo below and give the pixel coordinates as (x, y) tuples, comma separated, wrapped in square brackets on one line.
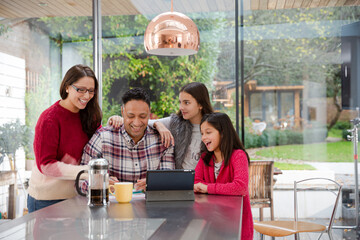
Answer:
[(172, 6)]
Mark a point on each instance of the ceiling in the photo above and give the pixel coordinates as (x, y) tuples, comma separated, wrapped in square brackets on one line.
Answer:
[(51, 8)]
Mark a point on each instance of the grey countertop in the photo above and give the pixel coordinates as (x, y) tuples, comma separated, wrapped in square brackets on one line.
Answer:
[(208, 217)]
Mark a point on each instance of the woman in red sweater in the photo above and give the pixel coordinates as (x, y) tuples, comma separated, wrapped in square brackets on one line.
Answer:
[(223, 167), (60, 136)]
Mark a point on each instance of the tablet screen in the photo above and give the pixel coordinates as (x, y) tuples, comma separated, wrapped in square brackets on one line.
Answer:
[(179, 179)]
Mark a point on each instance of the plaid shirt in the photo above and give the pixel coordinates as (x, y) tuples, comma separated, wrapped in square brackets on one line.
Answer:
[(129, 161)]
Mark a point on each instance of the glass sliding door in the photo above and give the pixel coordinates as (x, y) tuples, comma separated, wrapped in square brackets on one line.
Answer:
[(293, 56), (256, 106), (126, 64), (39, 42)]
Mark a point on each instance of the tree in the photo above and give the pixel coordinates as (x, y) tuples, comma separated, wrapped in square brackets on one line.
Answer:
[(287, 47), (127, 64), (277, 52), (13, 136), (3, 29), (333, 80)]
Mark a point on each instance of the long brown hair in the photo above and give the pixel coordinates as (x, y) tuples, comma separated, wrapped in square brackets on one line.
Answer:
[(229, 138), (201, 94), (91, 115)]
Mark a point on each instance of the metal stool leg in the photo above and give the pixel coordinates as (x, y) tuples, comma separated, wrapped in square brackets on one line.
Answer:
[(261, 236)]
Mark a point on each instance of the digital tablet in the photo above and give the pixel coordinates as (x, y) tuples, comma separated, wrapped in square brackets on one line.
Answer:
[(170, 185), (178, 179)]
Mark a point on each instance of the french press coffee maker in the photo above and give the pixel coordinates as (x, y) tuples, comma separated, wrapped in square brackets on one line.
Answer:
[(98, 189)]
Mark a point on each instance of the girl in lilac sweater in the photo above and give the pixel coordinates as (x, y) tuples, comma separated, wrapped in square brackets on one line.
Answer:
[(223, 167)]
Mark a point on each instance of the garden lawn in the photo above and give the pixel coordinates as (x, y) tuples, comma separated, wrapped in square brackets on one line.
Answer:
[(317, 152), (291, 166), (336, 133)]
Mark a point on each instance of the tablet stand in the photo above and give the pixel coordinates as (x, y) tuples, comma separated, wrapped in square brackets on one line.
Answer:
[(170, 195)]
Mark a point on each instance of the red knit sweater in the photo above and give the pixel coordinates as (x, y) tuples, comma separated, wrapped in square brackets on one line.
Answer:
[(58, 132), (232, 180), (58, 145)]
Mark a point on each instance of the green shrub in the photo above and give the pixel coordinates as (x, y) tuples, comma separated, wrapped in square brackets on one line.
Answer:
[(314, 135), (254, 140), (283, 137), (295, 137), (342, 125), (272, 137)]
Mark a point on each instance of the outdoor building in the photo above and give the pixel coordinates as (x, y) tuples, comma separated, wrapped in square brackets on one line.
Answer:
[(278, 106), (282, 68)]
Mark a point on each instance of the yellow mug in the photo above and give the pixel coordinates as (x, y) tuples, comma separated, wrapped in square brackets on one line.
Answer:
[(122, 191)]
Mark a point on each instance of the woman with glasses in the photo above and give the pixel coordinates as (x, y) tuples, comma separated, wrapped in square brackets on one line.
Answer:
[(61, 133)]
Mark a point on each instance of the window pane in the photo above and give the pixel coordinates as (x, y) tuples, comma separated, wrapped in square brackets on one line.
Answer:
[(287, 108), (127, 65), (39, 42), (256, 106), (287, 104), (271, 112), (293, 56)]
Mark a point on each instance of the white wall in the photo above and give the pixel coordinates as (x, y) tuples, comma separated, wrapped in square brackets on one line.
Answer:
[(12, 107), (12, 97), (12, 88)]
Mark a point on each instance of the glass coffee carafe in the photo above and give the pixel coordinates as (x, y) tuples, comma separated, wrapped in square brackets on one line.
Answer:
[(98, 188)]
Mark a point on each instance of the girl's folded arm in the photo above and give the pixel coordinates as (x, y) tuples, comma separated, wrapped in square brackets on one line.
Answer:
[(239, 185), (199, 172)]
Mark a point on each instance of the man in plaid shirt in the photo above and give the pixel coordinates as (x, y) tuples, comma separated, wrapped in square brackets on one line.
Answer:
[(135, 147)]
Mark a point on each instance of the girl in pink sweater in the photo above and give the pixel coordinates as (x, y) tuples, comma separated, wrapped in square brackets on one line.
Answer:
[(223, 166)]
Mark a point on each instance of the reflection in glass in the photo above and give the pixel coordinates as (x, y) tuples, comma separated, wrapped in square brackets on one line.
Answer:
[(37, 45), (126, 64), (287, 109), (95, 225), (287, 104), (298, 48), (34, 55), (256, 111), (271, 108), (296, 52)]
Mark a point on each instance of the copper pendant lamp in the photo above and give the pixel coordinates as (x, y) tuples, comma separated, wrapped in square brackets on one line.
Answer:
[(171, 34)]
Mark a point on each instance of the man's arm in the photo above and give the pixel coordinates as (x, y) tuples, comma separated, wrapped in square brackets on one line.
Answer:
[(166, 162)]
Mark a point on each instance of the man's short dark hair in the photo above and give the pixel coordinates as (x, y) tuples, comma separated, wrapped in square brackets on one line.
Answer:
[(136, 94)]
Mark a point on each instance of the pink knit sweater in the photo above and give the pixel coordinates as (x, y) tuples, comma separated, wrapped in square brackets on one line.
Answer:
[(232, 180)]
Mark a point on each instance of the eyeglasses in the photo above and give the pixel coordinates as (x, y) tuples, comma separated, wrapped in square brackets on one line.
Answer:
[(84, 90)]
